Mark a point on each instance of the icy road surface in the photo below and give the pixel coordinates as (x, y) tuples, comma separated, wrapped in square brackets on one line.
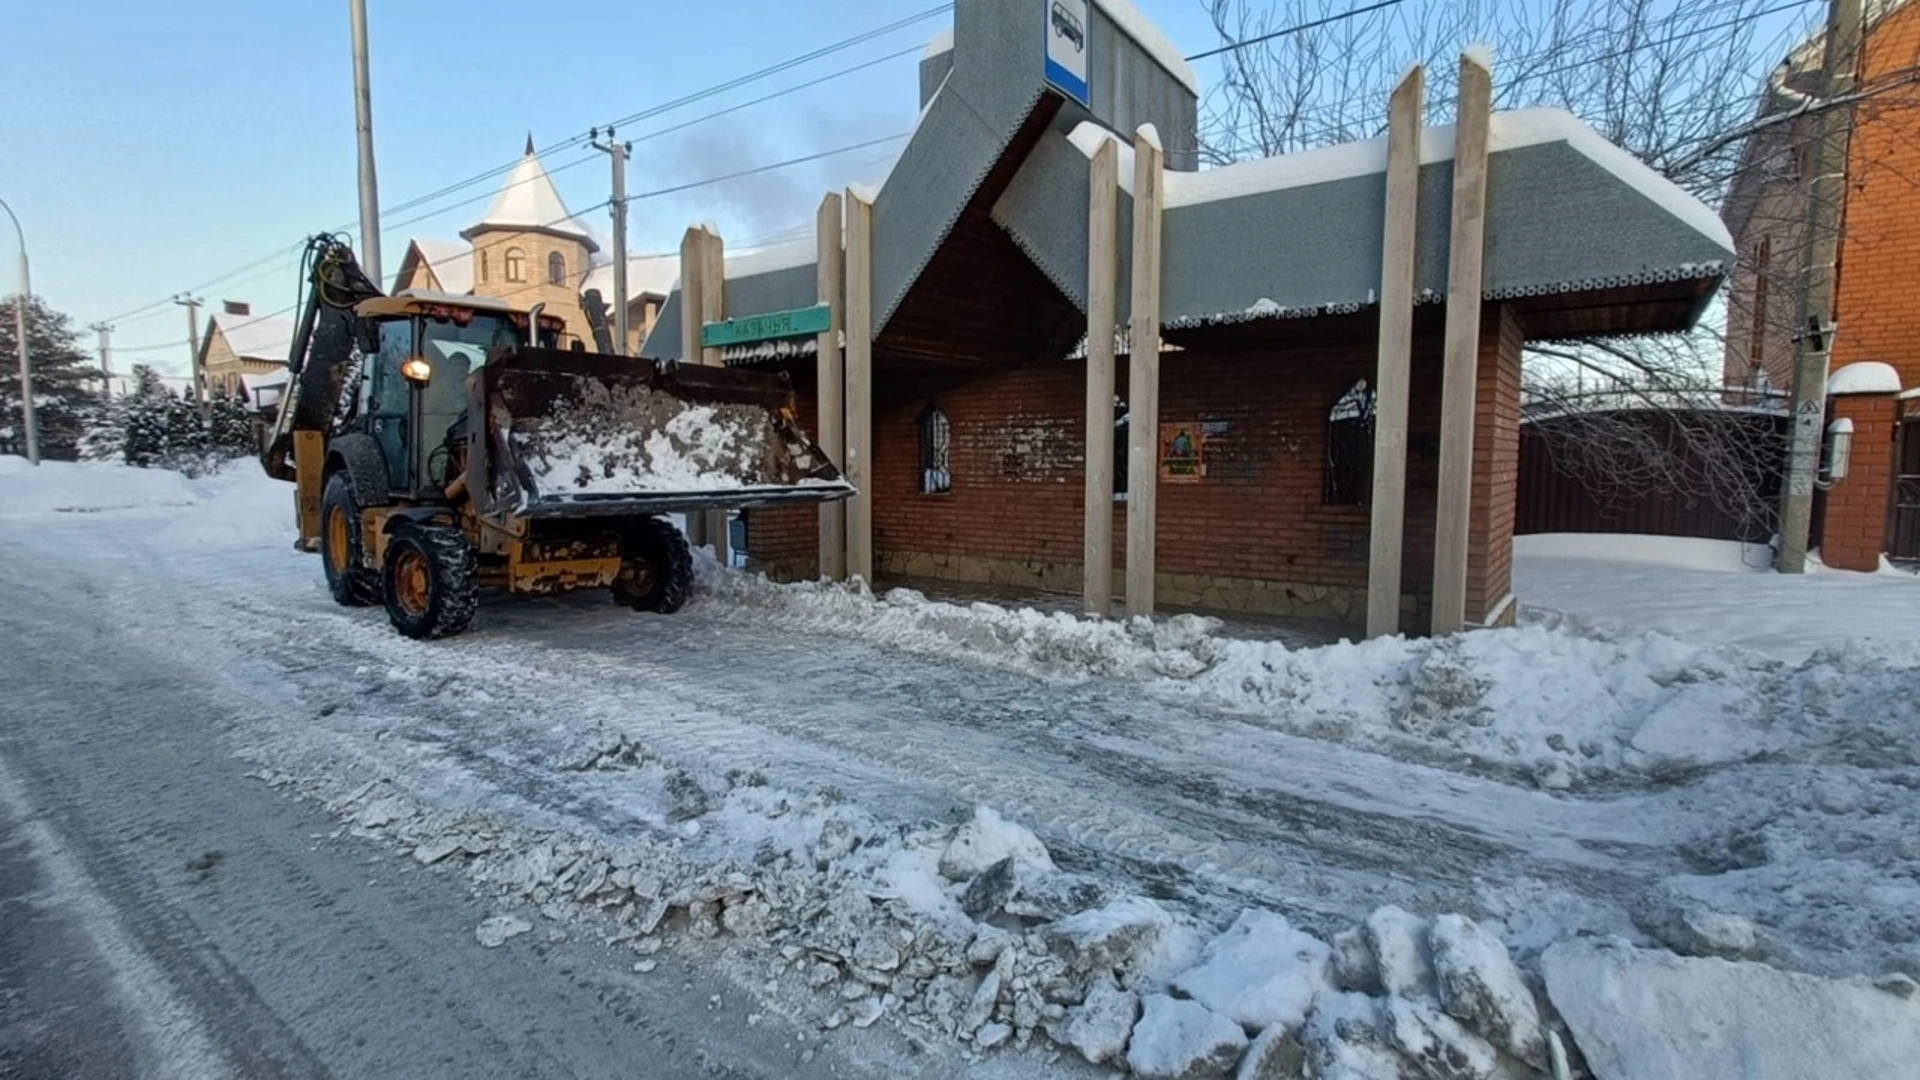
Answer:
[(170, 654)]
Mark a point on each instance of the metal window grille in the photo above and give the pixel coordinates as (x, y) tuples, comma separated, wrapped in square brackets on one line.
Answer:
[(936, 443), (1349, 471)]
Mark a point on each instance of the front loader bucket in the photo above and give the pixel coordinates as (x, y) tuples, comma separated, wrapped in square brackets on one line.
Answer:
[(576, 434)]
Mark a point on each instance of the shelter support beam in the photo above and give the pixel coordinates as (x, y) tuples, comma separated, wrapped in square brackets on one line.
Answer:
[(693, 253), (1388, 503), (713, 308), (1462, 347), (859, 399), (1103, 206), (831, 369), (1143, 374)]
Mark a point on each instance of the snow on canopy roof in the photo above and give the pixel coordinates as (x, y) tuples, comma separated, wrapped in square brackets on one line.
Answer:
[(528, 200), (647, 275), (941, 43), (1865, 377), (1148, 36), (800, 251), (1508, 131), (265, 338), (450, 260)]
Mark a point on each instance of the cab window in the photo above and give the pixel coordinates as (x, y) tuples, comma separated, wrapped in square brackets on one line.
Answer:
[(387, 390)]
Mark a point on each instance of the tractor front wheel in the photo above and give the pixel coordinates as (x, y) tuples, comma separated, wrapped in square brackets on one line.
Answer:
[(656, 568), (429, 581), (348, 579)]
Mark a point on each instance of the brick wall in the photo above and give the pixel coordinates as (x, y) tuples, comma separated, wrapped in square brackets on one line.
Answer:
[(1877, 308), (1496, 469), (1854, 533), (1013, 514)]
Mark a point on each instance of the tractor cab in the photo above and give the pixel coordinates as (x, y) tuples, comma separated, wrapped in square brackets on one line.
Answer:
[(411, 394)]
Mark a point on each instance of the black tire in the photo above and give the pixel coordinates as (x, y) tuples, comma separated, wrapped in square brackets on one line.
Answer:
[(348, 579), (656, 568), (429, 582)]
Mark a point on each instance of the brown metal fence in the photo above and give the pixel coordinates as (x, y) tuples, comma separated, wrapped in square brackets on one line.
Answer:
[(1705, 473)]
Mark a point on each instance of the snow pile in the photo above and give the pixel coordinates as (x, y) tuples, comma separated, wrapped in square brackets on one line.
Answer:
[(613, 439), (1558, 708), (86, 487), (239, 506), (1639, 1014)]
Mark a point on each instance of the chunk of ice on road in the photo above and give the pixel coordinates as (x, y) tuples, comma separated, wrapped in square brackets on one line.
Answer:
[(496, 931), (1182, 1040), (1399, 942), (1479, 985), (1260, 973), (1637, 1013), (987, 839), (1099, 1026)]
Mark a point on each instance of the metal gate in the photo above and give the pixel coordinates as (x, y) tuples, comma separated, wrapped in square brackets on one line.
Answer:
[(1903, 537)]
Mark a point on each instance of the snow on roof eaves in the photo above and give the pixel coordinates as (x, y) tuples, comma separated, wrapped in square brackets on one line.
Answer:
[(941, 43), (450, 260), (1508, 131), (263, 338), (1148, 36), (786, 255)]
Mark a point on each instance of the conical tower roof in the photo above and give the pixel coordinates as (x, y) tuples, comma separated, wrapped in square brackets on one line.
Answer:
[(528, 202)]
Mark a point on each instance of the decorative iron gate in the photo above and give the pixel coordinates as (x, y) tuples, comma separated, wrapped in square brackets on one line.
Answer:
[(1903, 535)]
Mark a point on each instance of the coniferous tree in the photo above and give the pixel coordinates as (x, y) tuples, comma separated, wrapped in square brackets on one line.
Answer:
[(62, 396)]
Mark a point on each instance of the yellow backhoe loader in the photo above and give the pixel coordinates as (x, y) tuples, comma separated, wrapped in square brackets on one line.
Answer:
[(443, 444)]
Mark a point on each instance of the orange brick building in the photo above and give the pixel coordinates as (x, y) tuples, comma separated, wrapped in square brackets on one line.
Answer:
[(1874, 509)]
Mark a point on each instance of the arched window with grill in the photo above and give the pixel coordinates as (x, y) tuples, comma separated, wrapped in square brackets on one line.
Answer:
[(1349, 472), (516, 265), (936, 445), (556, 269)]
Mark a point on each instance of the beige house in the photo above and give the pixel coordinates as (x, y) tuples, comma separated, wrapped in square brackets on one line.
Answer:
[(237, 351), (527, 249)]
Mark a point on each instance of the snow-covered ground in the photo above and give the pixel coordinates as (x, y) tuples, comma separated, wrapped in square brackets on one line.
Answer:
[(1145, 843), (1717, 592)]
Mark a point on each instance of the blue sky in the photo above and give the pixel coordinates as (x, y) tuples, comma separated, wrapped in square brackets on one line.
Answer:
[(148, 146)]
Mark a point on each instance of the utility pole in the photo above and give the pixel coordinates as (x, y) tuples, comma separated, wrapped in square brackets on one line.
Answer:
[(192, 304), (27, 419), (1813, 345), (363, 130), (106, 359), (617, 151)]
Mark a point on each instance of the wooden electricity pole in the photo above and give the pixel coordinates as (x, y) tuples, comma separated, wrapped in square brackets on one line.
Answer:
[(1103, 271), (859, 417), (1388, 503), (830, 369), (1143, 373), (1813, 345)]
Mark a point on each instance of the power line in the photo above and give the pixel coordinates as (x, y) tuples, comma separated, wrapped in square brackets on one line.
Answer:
[(1338, 17)]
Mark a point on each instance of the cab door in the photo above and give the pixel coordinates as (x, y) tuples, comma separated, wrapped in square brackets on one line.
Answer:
[(388, 401)]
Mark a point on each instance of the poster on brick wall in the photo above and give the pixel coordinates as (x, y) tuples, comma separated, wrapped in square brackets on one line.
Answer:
[(1182, 453)]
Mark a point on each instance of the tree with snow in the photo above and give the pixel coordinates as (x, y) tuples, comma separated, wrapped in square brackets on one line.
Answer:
[(62, 398)]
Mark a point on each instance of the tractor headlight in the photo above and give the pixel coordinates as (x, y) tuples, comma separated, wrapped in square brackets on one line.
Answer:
[(416, 370)]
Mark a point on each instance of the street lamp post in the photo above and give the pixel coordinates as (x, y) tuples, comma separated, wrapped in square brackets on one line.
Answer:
[(20, 340)]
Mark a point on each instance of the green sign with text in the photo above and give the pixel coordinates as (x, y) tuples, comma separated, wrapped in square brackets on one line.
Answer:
[(800, 322)]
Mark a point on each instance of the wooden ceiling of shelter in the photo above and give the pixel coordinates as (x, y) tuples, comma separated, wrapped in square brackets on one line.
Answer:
[(1634, 309), (980, 304)]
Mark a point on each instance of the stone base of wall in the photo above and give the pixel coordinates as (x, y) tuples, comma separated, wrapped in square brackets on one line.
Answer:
[(787, 568), (1254, 596)]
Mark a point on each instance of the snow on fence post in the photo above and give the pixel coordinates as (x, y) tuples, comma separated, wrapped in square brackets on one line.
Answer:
[(831, 369), (1143, 371), (1103, 204), (859, 418), (1387, 514), (1453, 517)]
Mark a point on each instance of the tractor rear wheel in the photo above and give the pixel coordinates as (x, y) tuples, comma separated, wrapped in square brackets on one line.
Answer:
[(656, 568), (429, 581), (348, 579)]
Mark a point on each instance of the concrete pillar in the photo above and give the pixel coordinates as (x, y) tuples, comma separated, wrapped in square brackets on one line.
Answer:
[(1102, 278), (831, 371), (1388, 503), (1143, 373), (1462, 348), (859, 411), (713, 308), (1854, 532), (693, 281)]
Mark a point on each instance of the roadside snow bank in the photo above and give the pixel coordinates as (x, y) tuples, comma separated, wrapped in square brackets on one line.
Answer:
[(1638, 1014), (239, 506), (69, 487), (1556, 706)]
